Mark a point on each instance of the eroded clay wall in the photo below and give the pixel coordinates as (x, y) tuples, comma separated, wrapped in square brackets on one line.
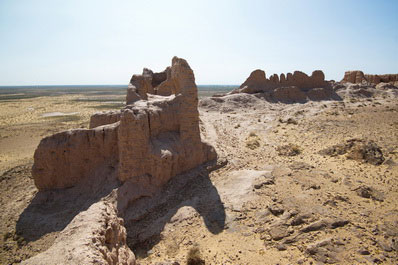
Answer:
[(65, 158)]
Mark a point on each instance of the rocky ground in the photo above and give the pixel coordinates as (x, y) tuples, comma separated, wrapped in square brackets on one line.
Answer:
[(305, 183)]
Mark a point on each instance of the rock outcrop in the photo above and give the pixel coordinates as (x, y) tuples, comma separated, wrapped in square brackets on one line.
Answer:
[(296, 87), (156, 136), (358, 77)]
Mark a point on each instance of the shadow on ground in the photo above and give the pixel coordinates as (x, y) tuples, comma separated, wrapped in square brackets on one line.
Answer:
[(147, 217), (51, 211), (144, 218)]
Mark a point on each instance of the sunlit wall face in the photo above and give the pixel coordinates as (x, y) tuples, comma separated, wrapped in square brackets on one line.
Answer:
[(103, 42)]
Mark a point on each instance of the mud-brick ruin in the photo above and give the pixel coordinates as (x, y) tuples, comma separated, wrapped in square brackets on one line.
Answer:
[(296, 87), (100, 173), (153, 135), (358, 77)]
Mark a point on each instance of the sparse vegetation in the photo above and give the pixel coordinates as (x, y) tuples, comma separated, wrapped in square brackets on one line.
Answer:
[(194, 257), (253, 141), (289, 150), (357, 149)]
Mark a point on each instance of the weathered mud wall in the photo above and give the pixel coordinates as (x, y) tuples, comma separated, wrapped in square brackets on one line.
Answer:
[(156, 136), (65, 158), (358, 77), (296, 87)]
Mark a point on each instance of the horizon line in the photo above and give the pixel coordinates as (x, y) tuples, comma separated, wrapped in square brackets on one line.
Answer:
[(103, 85)]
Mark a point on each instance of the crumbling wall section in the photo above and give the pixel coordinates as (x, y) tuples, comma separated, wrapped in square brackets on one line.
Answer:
[(104, 118), (157, 137), (63, 159), (358, 77), (257, 81), (296, 87)]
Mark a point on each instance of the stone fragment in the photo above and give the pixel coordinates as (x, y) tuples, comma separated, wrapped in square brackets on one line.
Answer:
[(276, 209), (316, 226), (369, 192), (278, 232)]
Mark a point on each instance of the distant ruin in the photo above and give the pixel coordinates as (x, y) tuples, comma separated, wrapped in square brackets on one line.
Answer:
[(296, 87), (358, 77), (155, 136)]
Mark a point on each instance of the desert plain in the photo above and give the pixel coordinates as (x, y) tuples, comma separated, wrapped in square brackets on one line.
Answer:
[(287, 187)]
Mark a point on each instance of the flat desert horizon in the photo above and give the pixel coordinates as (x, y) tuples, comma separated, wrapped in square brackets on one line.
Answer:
[(175, 132)]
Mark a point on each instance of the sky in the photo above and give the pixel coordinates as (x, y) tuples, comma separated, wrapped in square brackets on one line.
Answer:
[(51, 42)]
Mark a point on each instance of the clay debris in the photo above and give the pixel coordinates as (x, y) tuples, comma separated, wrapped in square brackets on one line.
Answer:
[(153, 135)]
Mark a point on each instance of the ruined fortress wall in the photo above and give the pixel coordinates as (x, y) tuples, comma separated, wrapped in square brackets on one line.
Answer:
[(103, 118), (257, 81), (154, 136), (358, 77), (170, 137), (63, 159)]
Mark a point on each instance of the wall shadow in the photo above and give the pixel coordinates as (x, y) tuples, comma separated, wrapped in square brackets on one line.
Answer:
[(146, 218), (51, 211)]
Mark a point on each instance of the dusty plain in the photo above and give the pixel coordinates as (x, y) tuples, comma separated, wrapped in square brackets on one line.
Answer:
[(294, 207)]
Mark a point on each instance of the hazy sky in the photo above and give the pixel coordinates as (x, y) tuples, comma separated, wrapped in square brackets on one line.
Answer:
[(105, 42)]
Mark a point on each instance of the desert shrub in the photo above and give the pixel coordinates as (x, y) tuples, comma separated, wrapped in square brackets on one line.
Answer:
[(357, 149), (289, 150), (253, 141), (194, 257)]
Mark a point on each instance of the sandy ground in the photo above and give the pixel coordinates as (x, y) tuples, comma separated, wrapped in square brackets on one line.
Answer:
[(263, 206)]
